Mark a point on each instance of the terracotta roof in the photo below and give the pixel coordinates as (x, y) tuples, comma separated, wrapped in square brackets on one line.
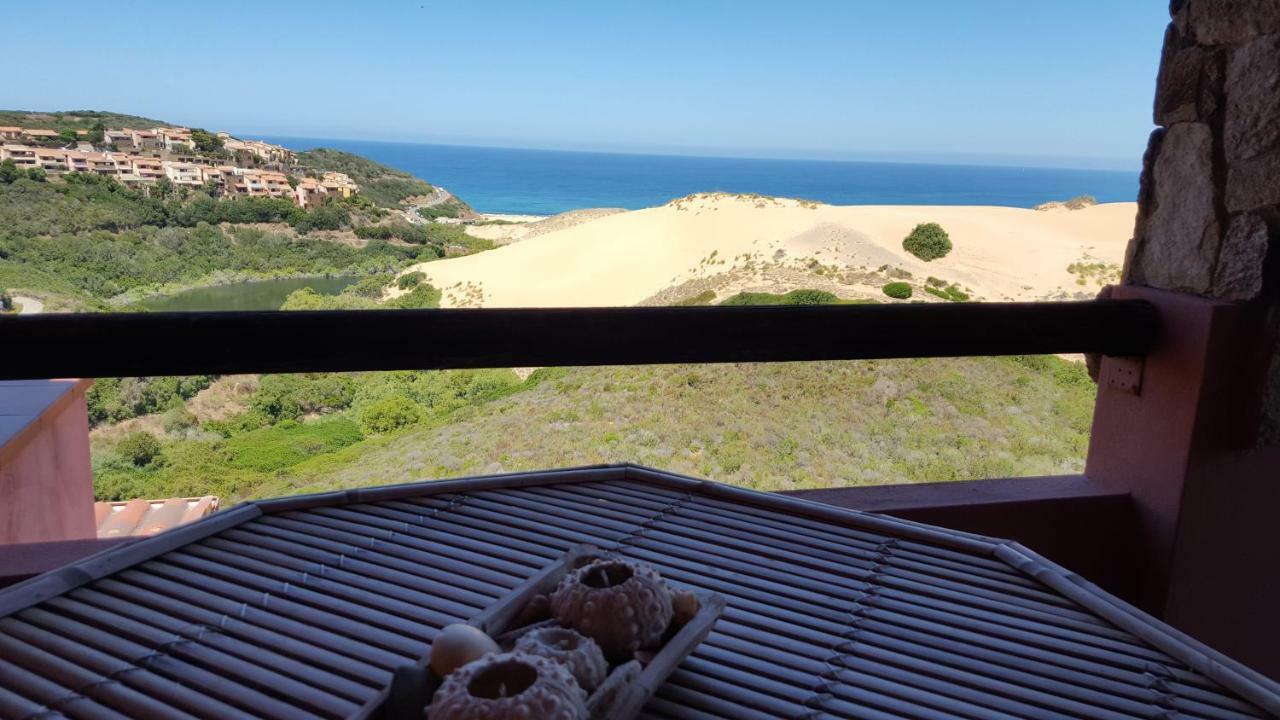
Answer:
[(148, 517), (302, 607), (39, 132)]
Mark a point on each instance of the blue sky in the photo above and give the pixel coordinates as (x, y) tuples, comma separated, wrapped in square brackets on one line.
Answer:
[(997, 81)]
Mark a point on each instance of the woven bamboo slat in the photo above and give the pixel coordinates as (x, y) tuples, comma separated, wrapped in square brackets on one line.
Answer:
[(830, 613)]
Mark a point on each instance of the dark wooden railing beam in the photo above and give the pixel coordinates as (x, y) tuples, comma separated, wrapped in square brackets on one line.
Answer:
[(129, 344)]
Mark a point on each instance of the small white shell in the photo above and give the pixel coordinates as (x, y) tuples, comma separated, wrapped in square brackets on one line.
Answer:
[(457, 645)]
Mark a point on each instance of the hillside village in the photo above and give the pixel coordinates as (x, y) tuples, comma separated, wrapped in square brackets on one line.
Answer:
[(174, 157)]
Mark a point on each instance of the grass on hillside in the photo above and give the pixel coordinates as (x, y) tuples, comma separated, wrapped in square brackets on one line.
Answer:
[(75, 120), (766, 426)]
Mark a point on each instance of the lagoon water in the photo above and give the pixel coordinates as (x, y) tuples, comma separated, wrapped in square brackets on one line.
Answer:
[(545, 182), (252, 295)]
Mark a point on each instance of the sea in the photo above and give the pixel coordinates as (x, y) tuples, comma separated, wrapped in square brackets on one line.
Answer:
[(547, 182)]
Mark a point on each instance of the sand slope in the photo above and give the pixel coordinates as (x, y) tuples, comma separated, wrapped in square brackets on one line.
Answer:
[(623, 258)]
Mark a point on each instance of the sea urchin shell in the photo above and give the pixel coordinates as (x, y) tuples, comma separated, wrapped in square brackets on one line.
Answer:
[(624, 606), (578, 653), (510, 686)]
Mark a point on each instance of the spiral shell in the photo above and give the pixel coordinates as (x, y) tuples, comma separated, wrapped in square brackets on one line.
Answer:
[(578, 653), (624, 606), (510, 686)]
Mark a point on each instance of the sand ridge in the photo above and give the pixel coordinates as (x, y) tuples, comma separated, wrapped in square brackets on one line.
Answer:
[(622, 258)]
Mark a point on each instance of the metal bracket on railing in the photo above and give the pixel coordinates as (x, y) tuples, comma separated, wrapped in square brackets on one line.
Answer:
[(1124, 373)]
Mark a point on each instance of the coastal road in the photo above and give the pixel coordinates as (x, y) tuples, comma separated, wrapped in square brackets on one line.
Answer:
[(30, 305)]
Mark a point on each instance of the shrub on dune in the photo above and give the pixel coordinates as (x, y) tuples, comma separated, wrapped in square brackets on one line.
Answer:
[(928, 241), (897, 290)]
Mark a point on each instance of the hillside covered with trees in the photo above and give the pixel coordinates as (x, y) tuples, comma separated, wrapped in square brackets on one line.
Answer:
[(385, 186)]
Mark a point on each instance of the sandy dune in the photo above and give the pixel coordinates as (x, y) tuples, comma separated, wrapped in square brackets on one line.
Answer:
[(622, 259)]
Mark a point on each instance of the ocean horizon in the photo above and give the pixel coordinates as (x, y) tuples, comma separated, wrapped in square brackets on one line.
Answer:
[(547, 182)]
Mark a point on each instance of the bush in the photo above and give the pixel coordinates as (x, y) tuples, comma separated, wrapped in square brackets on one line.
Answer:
[(897, 290), (324, 217), (177, 419), (423, 296), (808, 297), (703, 298), (928, 241), (287, 444), (139, 448), (389, 414), (111, 400), (410, 280), (289, 397), (6, 301), (949, 292), (800, 296), (370, 287)]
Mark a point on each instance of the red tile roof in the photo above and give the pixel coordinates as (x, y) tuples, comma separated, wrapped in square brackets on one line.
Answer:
[(148, 517)]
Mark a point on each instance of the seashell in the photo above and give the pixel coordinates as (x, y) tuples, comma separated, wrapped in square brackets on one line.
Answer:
[(624, 606), (569, 648), (457, 645), (684, 604), (509, 686)]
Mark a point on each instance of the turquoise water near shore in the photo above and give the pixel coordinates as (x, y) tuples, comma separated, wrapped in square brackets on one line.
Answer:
[(545, 182), (251, 295)]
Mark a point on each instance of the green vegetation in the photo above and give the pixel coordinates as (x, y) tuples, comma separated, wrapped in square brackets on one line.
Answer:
[(205, 142), (897, 290), (767, 426), (91, 239), (410, 280), (290, 442), (76, 120), (947, 291), (114, 399), (1081, 201), (383, 185), (139, 448), (6, 301), (1090, 270), (291, 420), (703, 298), (369, 287), (928, 241), (423, 296), (795, 297), (390, 414), (446, 240)]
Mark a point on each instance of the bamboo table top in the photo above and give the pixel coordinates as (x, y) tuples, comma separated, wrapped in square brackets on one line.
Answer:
[(302, 607)]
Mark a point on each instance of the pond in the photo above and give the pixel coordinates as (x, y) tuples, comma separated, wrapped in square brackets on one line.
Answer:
[(253, 295)]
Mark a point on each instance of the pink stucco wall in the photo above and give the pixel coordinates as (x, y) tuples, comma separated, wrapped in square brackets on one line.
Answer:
[(46, 481)]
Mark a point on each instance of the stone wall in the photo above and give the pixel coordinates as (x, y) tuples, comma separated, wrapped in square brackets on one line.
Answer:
[(1209, 204)]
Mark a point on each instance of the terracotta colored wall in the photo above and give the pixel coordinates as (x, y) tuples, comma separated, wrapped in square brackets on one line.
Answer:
[(1198, 447), (46, 480)]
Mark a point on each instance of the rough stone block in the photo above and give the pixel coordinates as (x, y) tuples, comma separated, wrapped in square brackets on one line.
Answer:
[(1253, 184), (1240, 261), (1190, 81), (1252, 118), (1227, 22), (1178, 245)]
